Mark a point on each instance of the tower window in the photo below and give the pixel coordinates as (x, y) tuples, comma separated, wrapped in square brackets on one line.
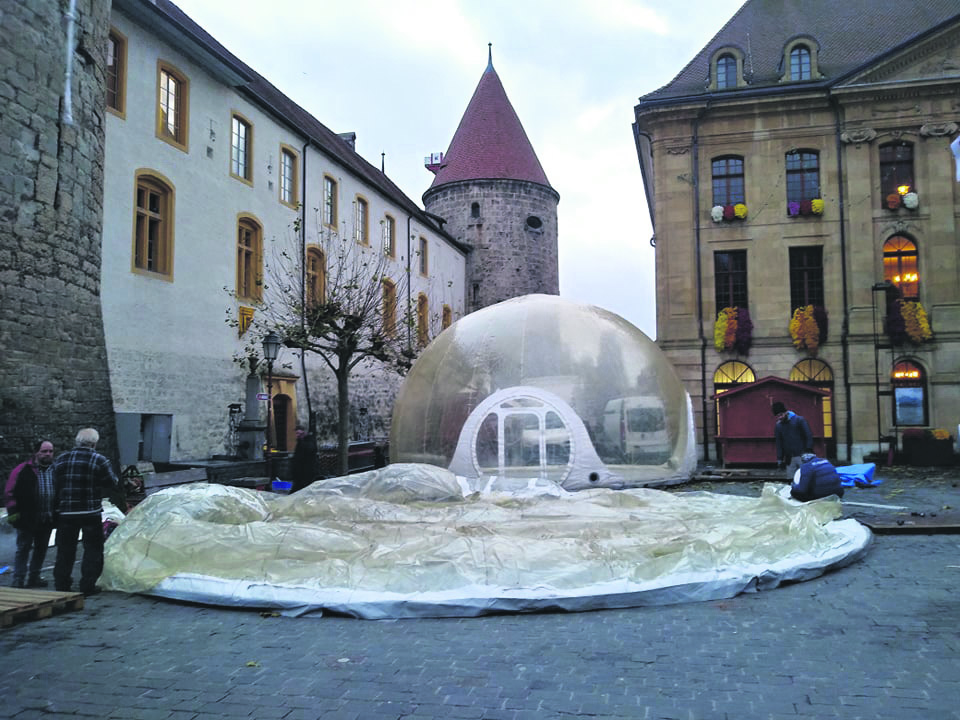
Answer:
[(475, 210), (534, 223)]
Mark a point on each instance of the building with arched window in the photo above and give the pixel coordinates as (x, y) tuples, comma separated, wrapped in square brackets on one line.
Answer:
[(817, 168)]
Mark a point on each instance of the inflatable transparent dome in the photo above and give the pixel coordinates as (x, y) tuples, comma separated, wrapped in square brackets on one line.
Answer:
[(541, 388)]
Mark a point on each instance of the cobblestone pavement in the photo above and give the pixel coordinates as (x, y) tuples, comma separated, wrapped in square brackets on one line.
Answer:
[(875, 640)]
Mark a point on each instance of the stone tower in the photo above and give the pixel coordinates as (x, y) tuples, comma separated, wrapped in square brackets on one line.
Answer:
[(54, 378), (493, 195)]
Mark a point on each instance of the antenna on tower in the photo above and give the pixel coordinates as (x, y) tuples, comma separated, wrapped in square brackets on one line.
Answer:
[(489, 56)]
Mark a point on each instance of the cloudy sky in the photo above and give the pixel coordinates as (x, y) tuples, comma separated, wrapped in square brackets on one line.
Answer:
[(400, 73)]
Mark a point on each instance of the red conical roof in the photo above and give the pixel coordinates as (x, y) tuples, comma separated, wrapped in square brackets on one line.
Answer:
[(490, 142)]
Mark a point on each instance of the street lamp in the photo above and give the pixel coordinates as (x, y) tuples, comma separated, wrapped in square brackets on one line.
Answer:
[(271, 347)]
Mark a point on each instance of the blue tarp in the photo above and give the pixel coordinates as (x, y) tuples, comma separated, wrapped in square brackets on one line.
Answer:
[(858, 475)]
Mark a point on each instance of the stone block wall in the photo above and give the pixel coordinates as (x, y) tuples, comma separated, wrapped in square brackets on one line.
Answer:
[(53, 369)]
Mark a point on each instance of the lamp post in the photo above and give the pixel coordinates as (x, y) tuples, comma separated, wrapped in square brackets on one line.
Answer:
[(271, 347)]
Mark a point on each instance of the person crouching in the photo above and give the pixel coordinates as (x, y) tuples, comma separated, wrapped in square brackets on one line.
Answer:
[(816, 478)]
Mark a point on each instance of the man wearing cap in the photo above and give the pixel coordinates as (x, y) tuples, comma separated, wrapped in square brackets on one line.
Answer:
[(818, 478), (793, 439)]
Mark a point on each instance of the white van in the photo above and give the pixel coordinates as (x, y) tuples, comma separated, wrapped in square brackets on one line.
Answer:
[(635, 429)]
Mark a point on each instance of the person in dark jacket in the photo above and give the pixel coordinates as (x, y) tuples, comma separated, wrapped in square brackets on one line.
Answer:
[(793, 438), (29, 501), (82, 477), (817, 478), (303, 466)]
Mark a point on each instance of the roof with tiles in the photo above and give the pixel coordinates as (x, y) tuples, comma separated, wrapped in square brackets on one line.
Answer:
[(259, 90), (490, 142), (848, 35)]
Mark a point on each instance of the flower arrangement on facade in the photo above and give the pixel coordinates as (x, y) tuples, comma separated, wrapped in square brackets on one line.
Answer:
[(907, 322), (733, 330), (893, 201), (919, 434), (805, 207), (740, 211), (911, 200), (716, 213), (804, 329), (816, 206), (719, 213), (793, 209)]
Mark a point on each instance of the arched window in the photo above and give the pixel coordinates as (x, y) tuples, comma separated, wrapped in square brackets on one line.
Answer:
[(153, 225), (727, 176), (909, 393), (423, 321), (800, 68), (818, 374), (316, 277), (249, 258), (726, 71), (900, 266), (389, 306), (896, 172)]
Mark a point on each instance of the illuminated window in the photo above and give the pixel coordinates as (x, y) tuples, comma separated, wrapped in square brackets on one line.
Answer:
[(446, 318), (153, 226), (316, 289), (389, 236), (329, 202), (730, 271), (803, 175), (896, 172), (116, 68), (289, 176), (249, 258), (726, 377), (172, 106), (818, 374), (909, 393), (806, 276), (728, 180), (424, 257), (800, 68), (361, 218), (900, 266), (241, 148), (726, 72), (423, 321), (389, 306)]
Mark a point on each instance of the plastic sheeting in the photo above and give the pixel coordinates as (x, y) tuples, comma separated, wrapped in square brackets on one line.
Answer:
[(539, 386), (418, 541)]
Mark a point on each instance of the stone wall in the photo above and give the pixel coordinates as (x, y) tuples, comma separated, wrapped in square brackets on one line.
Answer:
[(513, 235), (53, 367)]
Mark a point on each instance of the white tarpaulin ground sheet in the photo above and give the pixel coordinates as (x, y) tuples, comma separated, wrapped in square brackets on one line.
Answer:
[(415, 540)]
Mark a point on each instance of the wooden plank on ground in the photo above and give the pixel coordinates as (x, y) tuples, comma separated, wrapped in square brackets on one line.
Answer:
[(912, 523), (158, 481), (18, 604)]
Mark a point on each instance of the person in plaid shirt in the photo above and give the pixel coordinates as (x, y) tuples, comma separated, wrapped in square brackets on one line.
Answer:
[(29, 500), (81, 478)]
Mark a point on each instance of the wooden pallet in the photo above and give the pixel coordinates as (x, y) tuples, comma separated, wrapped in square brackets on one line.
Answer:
[(18, 605)]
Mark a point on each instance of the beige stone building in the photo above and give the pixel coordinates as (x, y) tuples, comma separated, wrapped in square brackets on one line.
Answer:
[(802, 160)]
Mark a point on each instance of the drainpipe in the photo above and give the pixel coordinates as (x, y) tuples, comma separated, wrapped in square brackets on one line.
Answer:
[(845, 331), (71, 17), (311, 420), (409, 306), (696, 225)]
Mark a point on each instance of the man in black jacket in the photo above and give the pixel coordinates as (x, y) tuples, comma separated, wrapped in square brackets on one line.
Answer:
[(29, 501), (303, 467), (793, 438), (817, 478)]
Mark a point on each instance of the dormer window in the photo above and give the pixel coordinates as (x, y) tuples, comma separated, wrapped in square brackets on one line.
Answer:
[(726, 69), (799, 61)]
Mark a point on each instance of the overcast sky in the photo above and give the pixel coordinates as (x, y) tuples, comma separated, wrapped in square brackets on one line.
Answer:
[(400, 73)]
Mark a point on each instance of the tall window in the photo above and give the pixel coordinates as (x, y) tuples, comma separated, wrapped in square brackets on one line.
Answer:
[(389, 306), (249, 258), (172, 104), (329, 201), (730, 270), (424, 257), (361, 216), (900, 266), (728, 180), (909, 393), (389, 236), (153, 226), (896, 171), (116, 72), (446, 318), (818, 374), (806, 276), (423, 321), (241, 148), (289, 176), (800, 63), (726, 377), (316, 289), (726, 72), (803, 175)]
